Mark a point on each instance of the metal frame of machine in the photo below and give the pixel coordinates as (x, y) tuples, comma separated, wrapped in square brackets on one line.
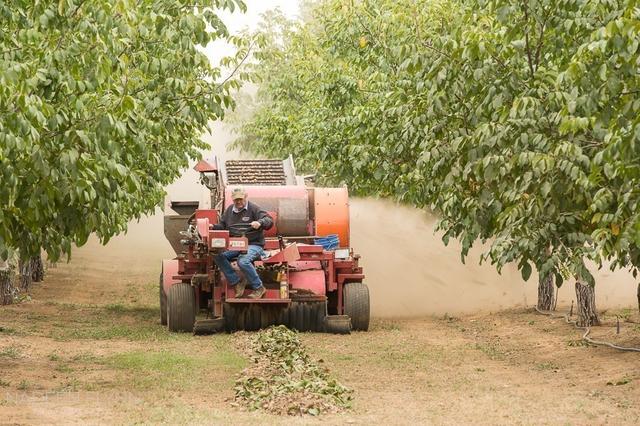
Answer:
[(308, 288)]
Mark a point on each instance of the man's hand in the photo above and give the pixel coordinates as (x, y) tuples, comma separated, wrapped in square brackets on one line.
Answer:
[(255, 224)]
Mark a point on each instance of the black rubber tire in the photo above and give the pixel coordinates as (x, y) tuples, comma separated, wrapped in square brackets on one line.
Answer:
[(337, 324), (163, 303), (229, 313), (356, 305), (241, 317), (308, 317), (296, 316), (320, 311), (181, 308), (283, 317), (252, 323)]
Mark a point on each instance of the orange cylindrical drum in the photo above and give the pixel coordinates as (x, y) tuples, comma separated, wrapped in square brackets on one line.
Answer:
[(331, 213)]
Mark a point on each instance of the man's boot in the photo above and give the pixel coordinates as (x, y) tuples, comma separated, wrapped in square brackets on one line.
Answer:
[(240, 287), (257, 293)]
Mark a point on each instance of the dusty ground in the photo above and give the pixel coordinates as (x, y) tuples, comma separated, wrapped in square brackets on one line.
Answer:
[(88, 348)]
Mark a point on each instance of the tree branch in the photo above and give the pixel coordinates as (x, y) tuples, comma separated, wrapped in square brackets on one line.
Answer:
[(541, 38), (246, 55), (526, 36)]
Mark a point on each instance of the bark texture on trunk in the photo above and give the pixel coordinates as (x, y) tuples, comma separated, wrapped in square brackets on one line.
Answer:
[(37, 269), (25, 275), (545, 293), (8, 290), (586, 305)]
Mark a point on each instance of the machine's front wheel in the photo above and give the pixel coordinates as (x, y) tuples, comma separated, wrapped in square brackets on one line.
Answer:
[(181, 308), (356, 305), (163, 303)]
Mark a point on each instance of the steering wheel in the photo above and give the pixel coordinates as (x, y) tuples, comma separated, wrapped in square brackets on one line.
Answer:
[(241, 229)]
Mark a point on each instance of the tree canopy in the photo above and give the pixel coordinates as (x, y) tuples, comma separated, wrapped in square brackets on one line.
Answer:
[(101, 104), (516, 122)]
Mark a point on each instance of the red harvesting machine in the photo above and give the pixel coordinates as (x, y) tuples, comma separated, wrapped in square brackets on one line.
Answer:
[(310, 286)]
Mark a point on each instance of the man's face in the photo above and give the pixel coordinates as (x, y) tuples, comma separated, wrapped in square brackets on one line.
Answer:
[(239, 203)]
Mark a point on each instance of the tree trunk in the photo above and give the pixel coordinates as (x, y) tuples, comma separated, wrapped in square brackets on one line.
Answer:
[(25, 275), (37, 269), (545, 293), (8, 290), (586, 305)]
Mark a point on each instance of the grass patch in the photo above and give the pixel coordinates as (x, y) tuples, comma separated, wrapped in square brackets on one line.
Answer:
[(163, 361), (626, 313), (63, 368), (491, 349), (107, 331), (4, 383), (171, 369), (84, 357), (72, 385), (384, 325), (8, 331), (140, 312), (10, 352), (549, 365)]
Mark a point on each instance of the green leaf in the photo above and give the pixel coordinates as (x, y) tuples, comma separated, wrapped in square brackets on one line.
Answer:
[(526, 271), (558, 280), (62, 7)]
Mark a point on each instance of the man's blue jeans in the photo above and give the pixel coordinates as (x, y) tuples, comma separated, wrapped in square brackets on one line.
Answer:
[(245, 263)]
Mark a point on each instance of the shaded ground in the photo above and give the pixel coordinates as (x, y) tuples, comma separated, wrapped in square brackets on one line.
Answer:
[(89, 349)]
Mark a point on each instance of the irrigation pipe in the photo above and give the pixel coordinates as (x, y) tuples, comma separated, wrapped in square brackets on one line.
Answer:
[(587, 330)]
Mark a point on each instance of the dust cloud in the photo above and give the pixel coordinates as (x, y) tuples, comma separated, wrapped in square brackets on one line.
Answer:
[(410, 272), (408, 269)]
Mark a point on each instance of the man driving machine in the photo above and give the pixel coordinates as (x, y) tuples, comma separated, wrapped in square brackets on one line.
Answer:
[(247, 219)]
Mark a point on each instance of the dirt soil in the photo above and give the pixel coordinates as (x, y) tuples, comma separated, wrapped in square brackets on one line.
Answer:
[(88, 348)]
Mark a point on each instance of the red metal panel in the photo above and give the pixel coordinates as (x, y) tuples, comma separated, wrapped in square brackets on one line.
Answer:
[(219, 234), (169, 269), (313, 280), (272, 245), (306, 248), (203, 228), (238, 244), (210, 214), (305, 265), (351, 277), (289, 254), (205, 166), (271, 296), (265, 299)]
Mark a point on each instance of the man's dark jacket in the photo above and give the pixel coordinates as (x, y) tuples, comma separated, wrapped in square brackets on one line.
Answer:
[(248, 214)]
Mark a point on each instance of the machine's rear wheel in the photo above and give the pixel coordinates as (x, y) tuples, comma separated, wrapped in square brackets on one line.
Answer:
[(163, 304), (181, 308), (356, 305)]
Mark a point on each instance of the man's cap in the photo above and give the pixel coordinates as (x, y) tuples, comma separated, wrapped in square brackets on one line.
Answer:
[(238, 193)]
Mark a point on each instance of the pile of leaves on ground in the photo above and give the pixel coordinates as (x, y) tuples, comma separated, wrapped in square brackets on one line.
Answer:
[(283, 379)]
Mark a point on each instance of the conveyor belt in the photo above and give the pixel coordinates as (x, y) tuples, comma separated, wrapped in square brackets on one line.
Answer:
[(255, 172)]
